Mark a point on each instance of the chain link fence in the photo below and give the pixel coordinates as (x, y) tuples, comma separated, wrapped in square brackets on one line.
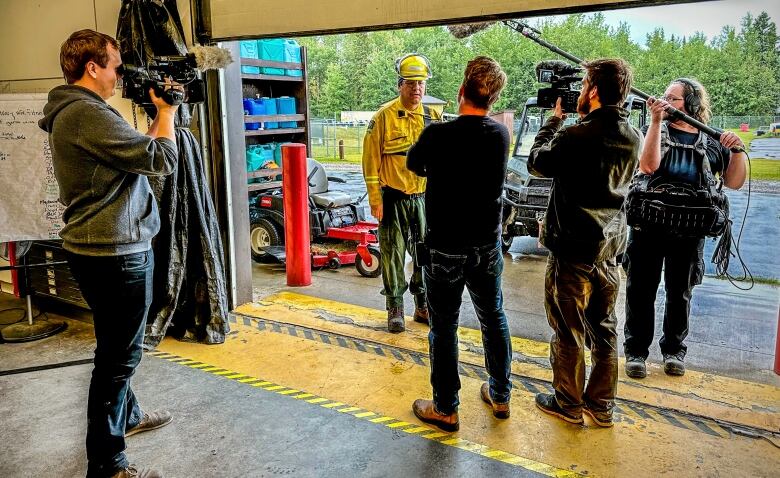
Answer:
[(337, 140), (333, 140), (734, 122)]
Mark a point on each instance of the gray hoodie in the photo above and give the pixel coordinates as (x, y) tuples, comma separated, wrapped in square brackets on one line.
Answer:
[(101, 164)]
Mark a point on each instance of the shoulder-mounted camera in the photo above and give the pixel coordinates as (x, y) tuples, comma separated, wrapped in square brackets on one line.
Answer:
[(137, 80), (561, 76)]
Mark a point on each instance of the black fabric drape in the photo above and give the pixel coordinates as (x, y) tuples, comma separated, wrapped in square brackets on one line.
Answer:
[(190, 294)]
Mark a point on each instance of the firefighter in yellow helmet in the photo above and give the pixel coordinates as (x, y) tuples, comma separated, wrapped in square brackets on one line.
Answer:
[(395, 193)]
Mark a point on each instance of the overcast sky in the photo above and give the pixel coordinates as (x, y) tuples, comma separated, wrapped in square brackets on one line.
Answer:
[(687, 18)]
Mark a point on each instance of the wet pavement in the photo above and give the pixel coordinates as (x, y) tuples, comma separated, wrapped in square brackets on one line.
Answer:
[(768, 148), (758, 245), (732, 332)]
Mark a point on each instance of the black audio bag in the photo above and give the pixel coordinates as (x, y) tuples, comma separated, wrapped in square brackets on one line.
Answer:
[(659, 205)]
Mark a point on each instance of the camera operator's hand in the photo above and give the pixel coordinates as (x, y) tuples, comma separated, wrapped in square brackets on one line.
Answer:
[(657, 109), (163, 124), (159, 101), (558, 111)]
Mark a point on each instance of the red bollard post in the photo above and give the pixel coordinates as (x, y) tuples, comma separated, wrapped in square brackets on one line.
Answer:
[(297, 234)]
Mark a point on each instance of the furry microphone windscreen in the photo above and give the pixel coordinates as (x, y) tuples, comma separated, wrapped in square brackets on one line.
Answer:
[(468, 29), (211, 57)]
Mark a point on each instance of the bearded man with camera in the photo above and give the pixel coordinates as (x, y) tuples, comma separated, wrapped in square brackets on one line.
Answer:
[(584, 228)]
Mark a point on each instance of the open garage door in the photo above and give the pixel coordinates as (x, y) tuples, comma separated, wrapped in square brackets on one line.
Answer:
[(234, 19)]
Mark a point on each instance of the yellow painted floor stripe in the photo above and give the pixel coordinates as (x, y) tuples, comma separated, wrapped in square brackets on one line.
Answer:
[(703, 394), (288, 392), (702, 426), (381, 419), (387, 385), (317, 400), (398, 424), (416, 429), (459, 443)]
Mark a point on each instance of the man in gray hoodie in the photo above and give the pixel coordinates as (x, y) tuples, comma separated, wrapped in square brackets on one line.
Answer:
[(101, 164)]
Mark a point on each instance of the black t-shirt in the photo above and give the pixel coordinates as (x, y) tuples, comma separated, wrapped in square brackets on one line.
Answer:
[(682, 164), (465, 162)]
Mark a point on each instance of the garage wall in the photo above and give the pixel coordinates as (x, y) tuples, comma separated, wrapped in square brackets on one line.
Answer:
[(31, 33)]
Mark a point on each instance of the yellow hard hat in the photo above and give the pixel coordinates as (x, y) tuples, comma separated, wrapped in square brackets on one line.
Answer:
[(413, 67)]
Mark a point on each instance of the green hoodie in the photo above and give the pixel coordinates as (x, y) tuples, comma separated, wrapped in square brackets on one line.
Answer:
[(101, 164)]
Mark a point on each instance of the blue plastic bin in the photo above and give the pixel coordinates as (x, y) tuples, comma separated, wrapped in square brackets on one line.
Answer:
[(285, 105), (249, 50), (292, 54), (272, 50), (270, 109), (253, 107)]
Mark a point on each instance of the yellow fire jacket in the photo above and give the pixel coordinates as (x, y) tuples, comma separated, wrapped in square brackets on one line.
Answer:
[(391, 132)]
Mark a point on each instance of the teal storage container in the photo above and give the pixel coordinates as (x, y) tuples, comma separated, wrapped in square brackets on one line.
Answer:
[(278, 152), (285, 105), (270, 109), (256, 156), (292, 54), (249, 50), (272, 50)]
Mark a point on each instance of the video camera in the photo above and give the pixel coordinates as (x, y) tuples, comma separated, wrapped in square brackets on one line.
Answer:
[(180, 69), (561, 76), (137, 80)]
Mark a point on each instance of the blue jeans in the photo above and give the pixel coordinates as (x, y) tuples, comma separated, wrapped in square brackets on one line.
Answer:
[(118, 289), (479, 269)]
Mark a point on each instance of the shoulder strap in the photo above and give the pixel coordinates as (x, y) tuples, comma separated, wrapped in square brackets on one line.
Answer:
[(427, 118)]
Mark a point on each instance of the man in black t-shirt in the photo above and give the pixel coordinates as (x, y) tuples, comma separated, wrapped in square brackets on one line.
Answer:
[(673, 151), (465, 163)]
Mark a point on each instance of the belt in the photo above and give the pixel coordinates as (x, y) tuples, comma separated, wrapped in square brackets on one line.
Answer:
[(392, 193)]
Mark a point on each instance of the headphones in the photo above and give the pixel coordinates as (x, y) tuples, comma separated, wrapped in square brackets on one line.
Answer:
[(692, 99)]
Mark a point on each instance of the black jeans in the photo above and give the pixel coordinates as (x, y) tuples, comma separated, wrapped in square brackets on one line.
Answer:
[(580, 303), (479, 270), (118, 289), (683, 264)]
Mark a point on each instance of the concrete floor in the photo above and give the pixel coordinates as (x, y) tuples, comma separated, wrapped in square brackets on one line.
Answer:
[(309, 383), (311, 387)]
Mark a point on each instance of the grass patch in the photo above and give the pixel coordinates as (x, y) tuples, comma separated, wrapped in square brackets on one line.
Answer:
[(765, 169)]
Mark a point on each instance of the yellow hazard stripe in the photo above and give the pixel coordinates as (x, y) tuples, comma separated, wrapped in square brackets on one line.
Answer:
[(422, 431)]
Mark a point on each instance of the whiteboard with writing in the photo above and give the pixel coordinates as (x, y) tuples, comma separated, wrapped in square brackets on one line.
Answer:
[(29, 204)]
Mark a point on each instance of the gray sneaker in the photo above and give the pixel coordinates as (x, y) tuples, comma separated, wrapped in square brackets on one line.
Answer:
[(673, 364), (635, 367), (395, 320)]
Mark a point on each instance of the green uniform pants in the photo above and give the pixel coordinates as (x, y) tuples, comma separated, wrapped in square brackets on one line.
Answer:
[(401, 213)]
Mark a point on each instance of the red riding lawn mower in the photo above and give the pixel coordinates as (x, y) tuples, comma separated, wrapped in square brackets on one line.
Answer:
[(339, 232)]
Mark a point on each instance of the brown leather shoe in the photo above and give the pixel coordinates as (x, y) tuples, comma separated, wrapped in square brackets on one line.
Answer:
[(150, 422), (426, 411), (500, 410), (395, 320), (421, 315), (133, 472)]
